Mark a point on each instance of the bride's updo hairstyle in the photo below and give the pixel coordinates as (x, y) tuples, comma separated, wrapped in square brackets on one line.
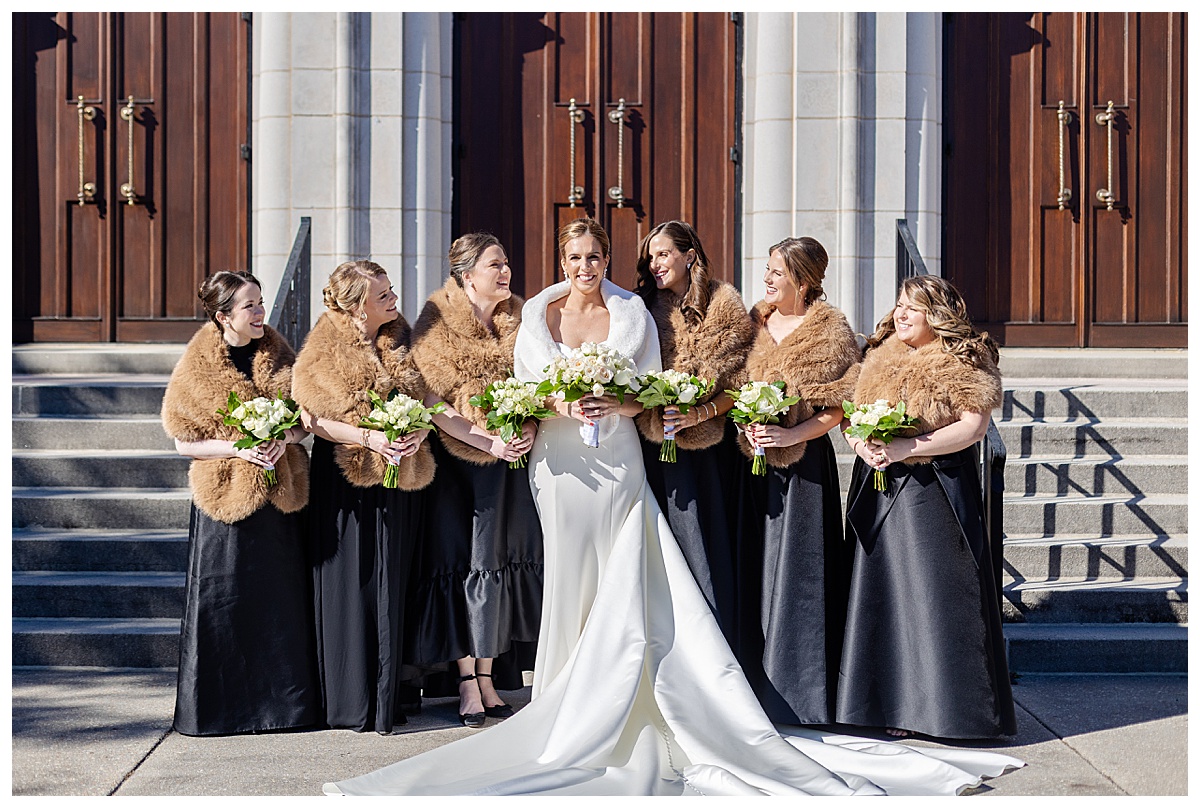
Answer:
[(946, 314), (684, 237), (349, 285), (806, 261), (465, 252), (582, 227), (217, 292)]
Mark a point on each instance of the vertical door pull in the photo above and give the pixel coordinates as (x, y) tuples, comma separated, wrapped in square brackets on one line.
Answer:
[(617, 116), (1064, 193), (1106, 119), (87, 190), (575, 197), (127, 188)]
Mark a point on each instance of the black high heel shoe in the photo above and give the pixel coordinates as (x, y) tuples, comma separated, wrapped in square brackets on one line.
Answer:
[(471, 720), (497, 710)]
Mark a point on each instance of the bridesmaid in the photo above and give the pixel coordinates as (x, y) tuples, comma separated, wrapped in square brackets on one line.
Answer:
[(480, 565), (924, 651), (703, 330), (793, 564), (246, 657)]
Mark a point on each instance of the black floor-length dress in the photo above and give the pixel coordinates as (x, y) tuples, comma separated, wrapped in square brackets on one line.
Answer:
[(362, 542), (924, 650), (793, 572)]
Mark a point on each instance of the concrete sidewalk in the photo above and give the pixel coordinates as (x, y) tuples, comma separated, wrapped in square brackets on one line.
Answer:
[(104, 731)]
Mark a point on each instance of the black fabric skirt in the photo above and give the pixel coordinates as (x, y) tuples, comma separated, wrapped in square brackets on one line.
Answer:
[(793, 577), (924, 650), (477, 588), (362, 542), (693, 493), (246, 656)]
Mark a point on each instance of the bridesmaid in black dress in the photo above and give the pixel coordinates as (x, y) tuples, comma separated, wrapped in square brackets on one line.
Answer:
[(246, 656), (703, 330), (793, 560), (478, 593), (924, 650)]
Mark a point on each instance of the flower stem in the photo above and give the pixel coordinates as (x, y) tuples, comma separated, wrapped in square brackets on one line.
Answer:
[(391, 477), (667, 453)]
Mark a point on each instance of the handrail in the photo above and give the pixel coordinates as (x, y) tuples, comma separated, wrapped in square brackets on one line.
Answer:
[(291, 313), (992, 452)]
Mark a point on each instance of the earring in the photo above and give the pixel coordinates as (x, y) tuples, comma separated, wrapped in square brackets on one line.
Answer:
[(689, 266), (362, 315)]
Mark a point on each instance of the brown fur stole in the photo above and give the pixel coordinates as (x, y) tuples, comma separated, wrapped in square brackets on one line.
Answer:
[(230, 489), (936, 387), (818, 360), (716, 349), (458, 356), (334, 373)]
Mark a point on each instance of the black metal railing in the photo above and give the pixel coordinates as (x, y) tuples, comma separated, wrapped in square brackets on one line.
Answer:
[(992, 452), (291, 313)]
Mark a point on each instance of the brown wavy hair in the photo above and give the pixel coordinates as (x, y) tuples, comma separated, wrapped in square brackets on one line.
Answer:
[(946, 314), (349, 285), (684, 237), (217, 291), (806, 262)]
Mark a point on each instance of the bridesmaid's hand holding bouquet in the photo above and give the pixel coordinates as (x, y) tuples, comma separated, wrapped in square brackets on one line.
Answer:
[(396, 416), (879, 422), (760, 403), (672, 388), (261, 420), (509, 404)]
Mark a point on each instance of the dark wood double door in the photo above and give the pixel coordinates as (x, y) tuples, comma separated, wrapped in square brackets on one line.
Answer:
[(131, 178), (630, 118), (1066, 167)]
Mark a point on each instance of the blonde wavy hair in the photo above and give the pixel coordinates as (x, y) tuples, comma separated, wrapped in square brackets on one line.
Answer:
[(946, 314), (349, 285), (465, 252)]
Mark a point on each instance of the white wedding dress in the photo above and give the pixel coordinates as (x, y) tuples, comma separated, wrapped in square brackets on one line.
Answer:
[(635, 689)]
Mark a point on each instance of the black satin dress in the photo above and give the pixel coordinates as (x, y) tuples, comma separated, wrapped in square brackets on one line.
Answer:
[(362, 543), (793, 576), (477, 588), (924, 649), (693, 493)]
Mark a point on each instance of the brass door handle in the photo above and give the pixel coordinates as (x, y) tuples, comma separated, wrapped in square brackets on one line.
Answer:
[(1106, 119), (617, 116), (575, 196), (1064, 193), (87, 190), (128, 190)]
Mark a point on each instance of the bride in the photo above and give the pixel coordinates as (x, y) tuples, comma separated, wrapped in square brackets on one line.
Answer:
[(635, 689)]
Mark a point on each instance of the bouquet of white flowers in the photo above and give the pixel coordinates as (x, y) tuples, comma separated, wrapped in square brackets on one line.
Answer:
[(672, 387), (395, 416), (261, 420), (509, 404), (592, 369), (760, 403), (879, 420)]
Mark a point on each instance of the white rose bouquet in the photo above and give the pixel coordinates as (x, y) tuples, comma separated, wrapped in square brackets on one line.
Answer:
[(398, 415), (760, 403), (672, 387), (509, 404), (592, 369), (261, 420), (881, 421)]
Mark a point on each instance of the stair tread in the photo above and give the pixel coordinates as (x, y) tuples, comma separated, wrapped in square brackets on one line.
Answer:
[(98, 452), (96, 534), (1104, 499), (1116, 540), (133, 418), (1106, 383), (1096, 631), (97, 578), (1101, 460), (95, 625), (1084, 582), (50, 492), (90, 379), (1156, 421)]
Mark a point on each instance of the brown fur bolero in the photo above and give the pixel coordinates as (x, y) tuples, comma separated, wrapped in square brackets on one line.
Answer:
[(334, 373), (716, 349), (819, 362), (229, 489), (458, 356), (936, 387)]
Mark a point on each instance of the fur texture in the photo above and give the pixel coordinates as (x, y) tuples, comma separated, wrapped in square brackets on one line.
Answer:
[(458, 356), (819, 362), (715, 350), (936, 388), (230, 489), (334, 373)]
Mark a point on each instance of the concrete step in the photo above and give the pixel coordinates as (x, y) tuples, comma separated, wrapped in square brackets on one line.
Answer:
[(96, 642), (1094, 398), (1040, 557), (152, 508), (99, 550), (97, 594), (126, 432), (1080, 599), (100, 468), (90, 357), (1088, 437), (1100, 476), (93, 394), (1165, 514), (1121, 363), (1097, 647)]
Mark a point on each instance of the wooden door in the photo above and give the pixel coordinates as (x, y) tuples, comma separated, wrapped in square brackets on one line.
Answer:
[(634, 112), (1043, 255), (131, 170)]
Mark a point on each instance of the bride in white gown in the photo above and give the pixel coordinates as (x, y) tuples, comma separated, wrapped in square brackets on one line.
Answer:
[(635, 689)]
